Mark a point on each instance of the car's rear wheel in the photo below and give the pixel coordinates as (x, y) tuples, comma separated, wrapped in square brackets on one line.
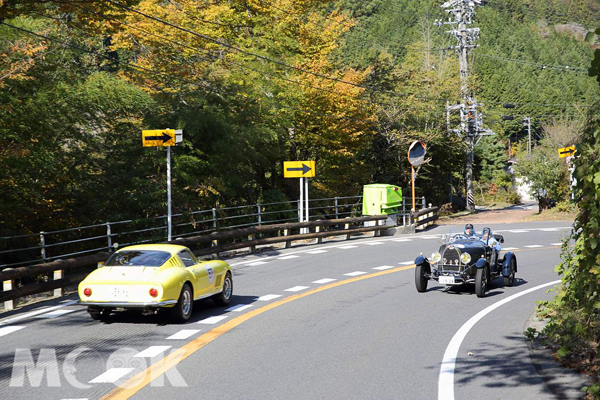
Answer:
[(182, 311), (420, 279), (99, 313), (481, 281), (510, 280), (224, 298)]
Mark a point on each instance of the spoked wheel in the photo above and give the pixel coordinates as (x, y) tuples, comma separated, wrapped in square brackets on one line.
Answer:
[(182, 311), (420, 279), (223, 298), (481, 281), (510, 280)]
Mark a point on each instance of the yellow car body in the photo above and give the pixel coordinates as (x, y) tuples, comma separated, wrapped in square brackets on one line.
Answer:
[(152, 276)]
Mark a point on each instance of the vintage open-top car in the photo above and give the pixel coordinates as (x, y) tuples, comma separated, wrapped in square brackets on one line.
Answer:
[(465, 259), (154, 276)]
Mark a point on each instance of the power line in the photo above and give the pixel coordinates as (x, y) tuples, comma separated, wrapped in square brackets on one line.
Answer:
[(538, 65)]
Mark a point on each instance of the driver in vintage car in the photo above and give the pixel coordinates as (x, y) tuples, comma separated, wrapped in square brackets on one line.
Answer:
[(469, 231), (490, 240)]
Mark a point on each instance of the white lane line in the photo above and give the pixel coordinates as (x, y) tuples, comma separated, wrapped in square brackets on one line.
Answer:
[(183, 334), (548, 229), (518, 231), (355, 273), (152, 351), (555, 244), (533, 246), (384, 267), (257, 263), (428, 237), (56, 313), (317, 251), (446, 378), (9, 329), (212, 320), (373, 243), (347, 247), (296, 289), (239, 307), (510, 248), (268, 297), (288, 257), (402, 240), (112, 375), (36, 312), (406, 262), (325, 280)]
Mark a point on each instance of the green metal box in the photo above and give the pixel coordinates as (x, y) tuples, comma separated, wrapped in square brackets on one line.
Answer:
[(379, 199)]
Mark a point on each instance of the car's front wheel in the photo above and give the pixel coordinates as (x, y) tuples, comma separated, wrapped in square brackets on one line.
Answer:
[(420, 278), (224, 298), (510, 280), (99, 313), (182, 311), (481, 281)]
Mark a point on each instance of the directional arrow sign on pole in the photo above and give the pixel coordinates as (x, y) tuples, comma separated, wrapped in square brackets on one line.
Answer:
[(566, 152), (158, 138), (299, 169)]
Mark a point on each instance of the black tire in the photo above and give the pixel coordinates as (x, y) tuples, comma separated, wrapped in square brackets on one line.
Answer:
[(182, 311), (510, 280), (420, 279), (224, 298), (481, 281), (99, 313)]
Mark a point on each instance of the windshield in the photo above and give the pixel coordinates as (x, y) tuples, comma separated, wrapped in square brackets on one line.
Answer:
[(138, 258)]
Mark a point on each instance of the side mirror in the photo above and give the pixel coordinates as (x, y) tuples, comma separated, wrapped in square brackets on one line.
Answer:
[(499, 238), (101, 264)]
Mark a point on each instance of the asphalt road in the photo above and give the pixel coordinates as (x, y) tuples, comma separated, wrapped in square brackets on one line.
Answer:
[(333, 321)]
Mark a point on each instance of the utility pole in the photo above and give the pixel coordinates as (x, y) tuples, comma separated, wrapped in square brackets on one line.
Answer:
[(528, 120), (471, 127)]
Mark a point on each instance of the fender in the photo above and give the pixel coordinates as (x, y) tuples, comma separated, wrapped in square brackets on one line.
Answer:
[(422, 260), (508, 257), (481, 263)]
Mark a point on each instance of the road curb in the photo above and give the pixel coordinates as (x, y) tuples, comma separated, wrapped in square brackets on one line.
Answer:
[(562, 382)]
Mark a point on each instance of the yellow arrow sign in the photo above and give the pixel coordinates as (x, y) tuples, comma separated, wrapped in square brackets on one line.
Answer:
[(158, 138), (299, 169), (566, 151)]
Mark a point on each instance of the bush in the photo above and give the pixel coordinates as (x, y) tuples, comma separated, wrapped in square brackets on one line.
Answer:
[(565, 206)]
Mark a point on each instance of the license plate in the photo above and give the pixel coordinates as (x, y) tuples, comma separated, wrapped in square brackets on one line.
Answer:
[(119, 293), (447, 280)]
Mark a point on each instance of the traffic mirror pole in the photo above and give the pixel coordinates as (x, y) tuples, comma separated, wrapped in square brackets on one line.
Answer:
[(413, 188), (306, 197), (168, 193), (301, 219)]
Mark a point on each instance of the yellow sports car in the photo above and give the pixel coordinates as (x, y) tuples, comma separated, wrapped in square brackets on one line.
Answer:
[(153, 276)]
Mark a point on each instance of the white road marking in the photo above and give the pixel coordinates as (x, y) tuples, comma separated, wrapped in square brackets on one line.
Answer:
[(510, 248), (446, 378), (36, 312), (384, 267), (317, 251), (268, 297), (347, 247), (288, 257), (296, 289), (402, 240), (9, 329), (373, 243), (257, 263), (112, 375), (429, 237), (325, 280), (56, 313), (406, 262), (548, 229), (152, 351), (556, 244), (212, 320), (533, 246), (183, 334), (239, 307), (518, 231), (355, 273)]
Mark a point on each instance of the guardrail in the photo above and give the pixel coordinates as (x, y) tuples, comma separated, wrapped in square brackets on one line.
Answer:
[(48, 246), (251, 238), (425, 217)]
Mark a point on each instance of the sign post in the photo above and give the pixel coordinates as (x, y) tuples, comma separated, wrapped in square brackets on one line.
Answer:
[(164, 138), (302, 170), (416, 157)]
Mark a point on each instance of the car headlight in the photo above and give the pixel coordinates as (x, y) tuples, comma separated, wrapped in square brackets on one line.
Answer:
[(436, 257), (465, 258)]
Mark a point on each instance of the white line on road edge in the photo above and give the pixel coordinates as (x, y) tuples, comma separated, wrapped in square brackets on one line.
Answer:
[(152, 351), (112, 375), (36, 312), (10, 329), (183, 334), (446, 379)]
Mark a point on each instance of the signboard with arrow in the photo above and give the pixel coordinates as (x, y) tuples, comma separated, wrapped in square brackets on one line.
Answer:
[(566, 152), (299, 169), (158, 138)]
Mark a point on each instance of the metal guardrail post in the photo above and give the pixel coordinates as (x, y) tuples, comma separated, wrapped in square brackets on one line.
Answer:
[(214, 213), (424, 204), (252, 248), (6, 286), (43, 245), (403, 211), (336, 209), (376, 233), (259, 215), (108, 236), (317, 230), (288, 243), (57, 276), (346, 227)]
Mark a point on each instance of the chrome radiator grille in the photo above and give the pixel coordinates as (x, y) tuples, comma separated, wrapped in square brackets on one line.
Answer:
[(450, 260)]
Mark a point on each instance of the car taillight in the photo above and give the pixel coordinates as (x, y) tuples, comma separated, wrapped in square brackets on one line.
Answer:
[(87, 291), (153, 292)]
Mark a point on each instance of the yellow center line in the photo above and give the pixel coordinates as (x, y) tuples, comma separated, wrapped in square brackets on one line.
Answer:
[(143, 378)]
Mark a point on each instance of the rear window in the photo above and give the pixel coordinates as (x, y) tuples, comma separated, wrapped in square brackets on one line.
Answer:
[(138, 258)]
